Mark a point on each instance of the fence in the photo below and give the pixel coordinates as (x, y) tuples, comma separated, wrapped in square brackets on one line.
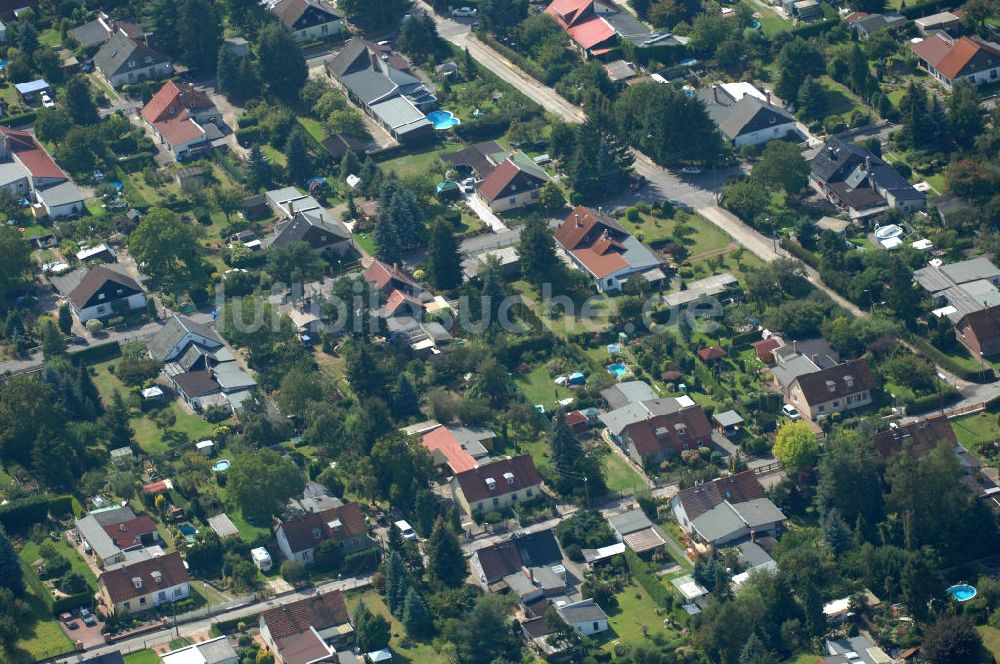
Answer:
[(964, 410)]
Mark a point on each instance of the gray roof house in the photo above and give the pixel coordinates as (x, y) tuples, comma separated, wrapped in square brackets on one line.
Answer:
[(308, 19), (381, 83), (180, 332), (862, 184), (122, 60), (745, 115), (867, 25), (855, 650), (90, 529), (316, 228), (584, 616), (961, 288), (631, 391), (636, 530)]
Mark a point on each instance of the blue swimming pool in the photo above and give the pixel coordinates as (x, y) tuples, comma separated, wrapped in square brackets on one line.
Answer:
[(221, 465), (443, 119), (617, 369), (188, 531), (961, 592)]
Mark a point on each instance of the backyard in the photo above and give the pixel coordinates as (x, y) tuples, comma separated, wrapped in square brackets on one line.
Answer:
[(636, 615), (403, 648)]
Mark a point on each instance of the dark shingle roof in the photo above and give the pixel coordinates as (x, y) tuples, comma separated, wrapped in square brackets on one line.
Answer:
[(473, 482), (306, 531), (531, 550), (737, 488), (296, 229), (319, 611), (832, 383), (175, 329), (747, 115), (114, 56), (923, 436), (95, 279), (121, 586)]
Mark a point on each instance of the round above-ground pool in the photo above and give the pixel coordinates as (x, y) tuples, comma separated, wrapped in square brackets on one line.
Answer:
[(961, 592), (220, 465), (888, 232), (617, 369), (443, 119)]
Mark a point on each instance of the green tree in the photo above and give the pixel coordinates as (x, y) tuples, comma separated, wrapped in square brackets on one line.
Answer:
[(166, 247), (261, 483), (53, 341), (80, 102), (293, 571), (447, 562), (329, 557), (405, 400), (202, 35), (294, 263), (537, 251), (259, 175), (11, 576), (952, 640), (397, 582), (812, 99), (486, 635), (416, 615), (164, 17), (551, 197), (371, 630), (445, 260), (797, 61), (387, 244), (796, 446), (229, 200), (53, 124), (282, 65), (15, 259), (65, 319), (500, 16), (14, 617), (965, 116), (299, 164), (419, 38), (782, 165), (667, 125), (76, 151)]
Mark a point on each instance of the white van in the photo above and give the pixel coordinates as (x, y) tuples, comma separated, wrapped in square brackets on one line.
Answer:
[(406, 530)]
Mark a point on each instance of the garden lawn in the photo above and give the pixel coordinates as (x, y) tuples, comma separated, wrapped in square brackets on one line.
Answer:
[(366, 241), (50, 37), (539, 388), (413, 651), (44, 639), (635, 609), (415, 163), (29, 554), (274, 156), (142, 657), (619, 475), (991, 638), (703, 236), (770, 22), (150, 437), (314, 128), (977, 429), (839, 100), (804, 658)]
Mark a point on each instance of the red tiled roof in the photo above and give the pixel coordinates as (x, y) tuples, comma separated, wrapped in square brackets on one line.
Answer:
[(670, 375), (444, 441), (601, 257), (157, 487), (121, 586), (737, 488), (580, 22), (382, 275), (983, 324), (575, 417), (397, 298), (601, 265), (670, 431), (473, 482), (950, 57), (498, 180), (766, 345), (923, 436), (173, 101), (319, 611), (179, 131), (855, 16), (31, 155), (713, 353), (305, 532), (127, 533)]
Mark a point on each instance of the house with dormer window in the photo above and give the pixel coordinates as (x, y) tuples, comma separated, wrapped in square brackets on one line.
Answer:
[(298, 535), (497, 486), (123, 60), (145, 584), (822, 392), (307, 19), (516, 182)]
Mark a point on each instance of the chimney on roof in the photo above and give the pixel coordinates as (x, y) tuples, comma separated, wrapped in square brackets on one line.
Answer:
[(715, 93), (795, 346), (815, 359), (291, 207), (767, 95), (868, 164), (579, 223)]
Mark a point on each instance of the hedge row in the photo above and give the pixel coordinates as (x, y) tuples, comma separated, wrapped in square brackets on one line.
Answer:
[(230, 626), (746, 338), (947, 363), (925, 8), (22, 514), (645, 578), (360, 561), (95, 354), (20, 120), (919, 405), (800, 252), (813, 29), (248, 136)]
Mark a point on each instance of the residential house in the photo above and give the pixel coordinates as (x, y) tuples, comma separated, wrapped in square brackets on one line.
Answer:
[(382, 84), (90, 530), (666, 435), (752, 558), (967, 58), (495, 486), (212, 651), (100, 292), (584, 616), (948, 22), (308, 20), (145, 584), (854, 650), (636, 530), (32, 91), (308, 630), (27, 170), (136, 533), (92, 34), (627, 392), (423, 338), (202, 370), (299, 536), (337, 145), (477, 160), (960, 288), (598, 28), (388, 278), (123, 60), (507, 259), (745, 115), (315, 498), (921, 437), (458, 448), (516, 182), (176, 114), (727, 510), (305, 220), (804, 10), (712, 354), (822, 392), (605, 250), (979, 331), (855, 180), (492, 564), (868, 24)]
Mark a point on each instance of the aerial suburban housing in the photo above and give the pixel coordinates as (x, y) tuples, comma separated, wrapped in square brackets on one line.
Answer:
[(745, 115), (123, 60), (178, 116), (139, 586), (497, 485)]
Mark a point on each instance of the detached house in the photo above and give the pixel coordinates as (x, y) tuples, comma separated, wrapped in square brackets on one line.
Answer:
[(745, 115), (123, 60), (307, 19), (26, 169), (966, 58), (305, 220), (308, 630), (299, 535), (597, 28), (979, 331), (608, 253), (498, 485), (516, 182), (650, 441), (176, 114), (727, 510), (100, 292), (146, 584), (822, 392), (491, 565), (855, 180)]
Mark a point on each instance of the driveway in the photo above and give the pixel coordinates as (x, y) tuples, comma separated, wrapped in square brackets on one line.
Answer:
[(485, 214)]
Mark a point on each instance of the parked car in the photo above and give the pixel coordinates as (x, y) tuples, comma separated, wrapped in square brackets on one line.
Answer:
[(464, 12), (680, 205), (791, 412), (406, 530), (72, 624), (66, 617), (691, 170), (47, 101)]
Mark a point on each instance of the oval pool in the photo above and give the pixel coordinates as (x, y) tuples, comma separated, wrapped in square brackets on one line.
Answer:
[(617, 369), (220, 465), (443, 119), (887, 232), (961, 592)]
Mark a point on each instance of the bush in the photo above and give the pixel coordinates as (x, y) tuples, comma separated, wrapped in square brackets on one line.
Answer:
[(632, 214), (903, 168), (115, 321), (94, 326), (61, 506), (834, 124), (645, 578), (293, 571), (246, 121), (360, 561), (248, 136), (19, 515)]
